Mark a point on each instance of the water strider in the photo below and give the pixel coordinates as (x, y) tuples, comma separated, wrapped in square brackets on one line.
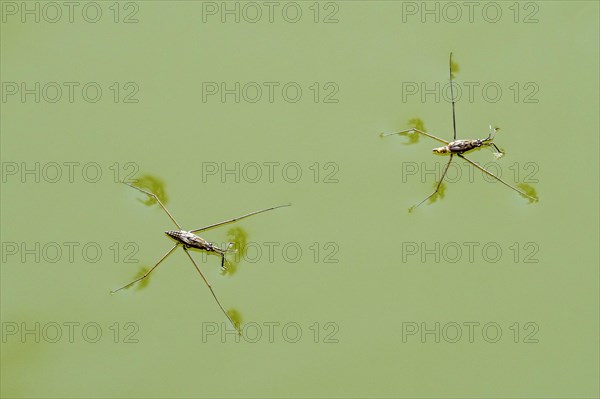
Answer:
[(460, 147), (188, 240)]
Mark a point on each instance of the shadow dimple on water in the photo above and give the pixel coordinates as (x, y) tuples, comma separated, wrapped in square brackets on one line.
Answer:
[(239, 238), (530, 191), (153, 184)]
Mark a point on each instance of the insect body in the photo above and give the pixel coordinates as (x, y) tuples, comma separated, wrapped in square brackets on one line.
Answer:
[(459, 148), (462, 146), (191, 240)]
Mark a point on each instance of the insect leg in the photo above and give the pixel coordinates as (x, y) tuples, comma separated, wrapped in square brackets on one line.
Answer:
[(148, 272), (210, 288), (418, 131), (452, 95), (236, 218), (157, 200), (412, 208), (497, 178)]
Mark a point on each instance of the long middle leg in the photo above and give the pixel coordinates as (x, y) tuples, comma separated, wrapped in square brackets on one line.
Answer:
[(452, 95), (412, 208), (418, 131), (236, 218)]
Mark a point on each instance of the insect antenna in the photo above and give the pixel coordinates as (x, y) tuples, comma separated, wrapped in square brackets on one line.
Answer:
[(492, 133)]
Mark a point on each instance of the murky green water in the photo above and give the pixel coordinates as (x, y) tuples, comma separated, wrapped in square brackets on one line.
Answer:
[(345, 293)]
